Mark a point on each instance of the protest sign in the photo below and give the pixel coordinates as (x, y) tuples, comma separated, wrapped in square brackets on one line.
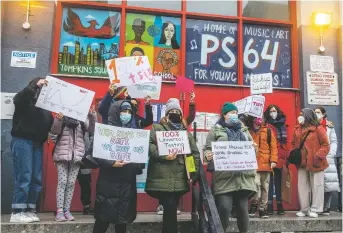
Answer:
[(234, 156), (251, 105), (184, 84), (261, 83), (117, 143), (127, 71), (71, 100), (152, 89), (170, 142)]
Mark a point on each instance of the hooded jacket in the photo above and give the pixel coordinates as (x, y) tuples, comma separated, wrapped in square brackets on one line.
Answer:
[(30, 122)]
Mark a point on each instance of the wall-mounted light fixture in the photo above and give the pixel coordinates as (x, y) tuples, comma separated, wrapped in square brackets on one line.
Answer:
[(26, 24), (321, 20)]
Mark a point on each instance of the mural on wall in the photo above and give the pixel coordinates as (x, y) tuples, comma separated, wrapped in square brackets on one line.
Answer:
[(157, 37), (88, 38)]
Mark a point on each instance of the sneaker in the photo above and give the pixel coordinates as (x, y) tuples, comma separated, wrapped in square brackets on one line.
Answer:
[(303, 214), (253, 210), (68, 216), (313, 215), (20, 218), (280, 210), (160, 210), (326, 211), (33, 216), (263, 214), (87, 210), (60, 217), (178, 212), (270, 210)]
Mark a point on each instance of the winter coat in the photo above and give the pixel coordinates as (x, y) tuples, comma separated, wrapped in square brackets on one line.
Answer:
[(169, 175), (116, 193), (282, 150), (229, 181), (331, 183), (30, 122), (266, 154), (69, 138), (315, 149)]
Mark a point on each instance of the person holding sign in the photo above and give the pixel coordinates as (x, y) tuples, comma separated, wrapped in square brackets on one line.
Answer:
[(116, 194), (168, 176), (230, 187), (266, 160)]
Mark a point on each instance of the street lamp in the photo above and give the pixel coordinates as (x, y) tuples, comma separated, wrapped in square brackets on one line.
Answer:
[(321, 20)]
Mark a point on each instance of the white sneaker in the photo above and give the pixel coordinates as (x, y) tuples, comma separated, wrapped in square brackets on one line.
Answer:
[(160, 210), (300, 214), (178, 212), (313, 215), (33, 216), (20, 218)]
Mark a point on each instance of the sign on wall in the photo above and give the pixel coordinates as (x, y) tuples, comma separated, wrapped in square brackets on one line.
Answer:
[(23, 59), (322, 64), (261, 83), (322, 88), (7, 106)]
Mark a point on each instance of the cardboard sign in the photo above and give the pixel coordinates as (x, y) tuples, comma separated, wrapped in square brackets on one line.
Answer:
[(170, 142), (152, 89), (117, 143), (184, 84), (322, 64), (234, 156), (126, 71), (261, 83), (251, 105)]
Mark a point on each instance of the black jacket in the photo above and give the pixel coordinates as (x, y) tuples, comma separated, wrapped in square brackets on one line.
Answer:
[(30, 122)]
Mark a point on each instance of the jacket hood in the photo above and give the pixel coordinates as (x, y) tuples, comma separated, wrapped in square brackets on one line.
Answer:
[(114, 113)]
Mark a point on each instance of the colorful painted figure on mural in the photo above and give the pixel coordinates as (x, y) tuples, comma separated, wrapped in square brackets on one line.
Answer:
[(168, 36), (137, 51), (168, 58), (138, 28)]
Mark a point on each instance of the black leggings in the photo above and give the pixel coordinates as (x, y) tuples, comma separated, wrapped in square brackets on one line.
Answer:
[(170, 202), (101, 227), (224, 205)]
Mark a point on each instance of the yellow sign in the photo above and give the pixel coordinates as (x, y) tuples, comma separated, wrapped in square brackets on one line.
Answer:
[(190, 164)]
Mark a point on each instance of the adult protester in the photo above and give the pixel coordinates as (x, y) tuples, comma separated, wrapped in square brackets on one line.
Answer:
[(276, 120), (313, 163), (167, 178), (230, 187), (30, 129), (331, 182)]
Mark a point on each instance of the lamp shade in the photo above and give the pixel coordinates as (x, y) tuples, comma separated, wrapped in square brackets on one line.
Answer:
[(321, 19)]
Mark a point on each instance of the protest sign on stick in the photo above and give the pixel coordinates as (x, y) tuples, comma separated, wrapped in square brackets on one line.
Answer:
[(117, 143), (170, 142)]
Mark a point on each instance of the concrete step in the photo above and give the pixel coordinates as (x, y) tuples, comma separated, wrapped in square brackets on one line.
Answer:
[(150, 222)]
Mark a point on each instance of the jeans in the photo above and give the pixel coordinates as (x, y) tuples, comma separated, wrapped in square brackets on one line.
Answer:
[(327, 200), (275, 180), (101, 227), (27, 167), (85, 184)]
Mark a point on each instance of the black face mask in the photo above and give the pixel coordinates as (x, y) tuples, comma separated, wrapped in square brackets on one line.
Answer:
[(174, 117)]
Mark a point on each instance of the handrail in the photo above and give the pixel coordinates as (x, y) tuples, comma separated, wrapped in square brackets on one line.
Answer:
[(202, 197)]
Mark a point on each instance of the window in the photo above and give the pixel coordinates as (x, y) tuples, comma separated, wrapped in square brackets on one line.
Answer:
[(211, 52), (213, 7), (278, 10), (88, 38), (159, 4), (157, 37)]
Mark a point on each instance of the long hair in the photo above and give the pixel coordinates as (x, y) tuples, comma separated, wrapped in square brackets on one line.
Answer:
[(267, 116), (163, 39), (322, 109)]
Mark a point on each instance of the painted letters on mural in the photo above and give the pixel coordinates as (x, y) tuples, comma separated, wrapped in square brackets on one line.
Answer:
[(88, 38), (158, 38)]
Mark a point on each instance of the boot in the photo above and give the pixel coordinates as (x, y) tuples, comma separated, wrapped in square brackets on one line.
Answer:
[(280, 210), (253, 210), (270, 209)]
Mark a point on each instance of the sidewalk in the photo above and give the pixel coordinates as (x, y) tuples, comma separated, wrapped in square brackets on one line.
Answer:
[(150, 222)]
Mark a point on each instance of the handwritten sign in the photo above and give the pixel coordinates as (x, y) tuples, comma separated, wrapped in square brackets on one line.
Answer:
[(127, 71), (170, 142), (234, 156), (251, 105), (116, 143), (261, 83), (322, 88), (152, 89), (322, 64)]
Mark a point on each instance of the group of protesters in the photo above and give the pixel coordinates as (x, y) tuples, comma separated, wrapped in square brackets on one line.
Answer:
[(314, 142)]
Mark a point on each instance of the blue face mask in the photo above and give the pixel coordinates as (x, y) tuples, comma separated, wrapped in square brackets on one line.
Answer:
[(125, 117), (233, 118)]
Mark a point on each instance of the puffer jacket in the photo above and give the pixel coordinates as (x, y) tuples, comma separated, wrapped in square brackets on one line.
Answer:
[(331, 183), (229, 181), (266, 154), (70, 139)]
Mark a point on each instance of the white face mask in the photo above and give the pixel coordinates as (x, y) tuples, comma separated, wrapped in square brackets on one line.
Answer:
[(319, 116), (273, 115), (301, 120)]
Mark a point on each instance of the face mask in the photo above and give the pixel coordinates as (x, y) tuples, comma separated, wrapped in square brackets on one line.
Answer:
[(258, 121), (174, 117), (125, 117), (273, 115), (233, 118), (301, 120), (319, 116)]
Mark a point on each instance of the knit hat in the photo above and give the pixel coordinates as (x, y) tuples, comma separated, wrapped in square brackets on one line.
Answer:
[(309, 114), (125, 106), (228, 107), (173, 103)]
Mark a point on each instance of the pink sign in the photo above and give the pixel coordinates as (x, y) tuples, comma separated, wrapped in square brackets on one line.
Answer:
[(184, 84)]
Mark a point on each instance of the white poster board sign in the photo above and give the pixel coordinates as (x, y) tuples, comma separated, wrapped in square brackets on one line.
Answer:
[(71, 100), (152, 89), (7, 106), (261, 83), (251, 105), (322, 64), (322, 88), (126, 71), (169, 142), (23, 59), (234, 156), (117, 143), (211, 120)]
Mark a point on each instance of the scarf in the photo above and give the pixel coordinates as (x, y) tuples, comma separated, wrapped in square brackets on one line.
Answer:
[(176, 126), (323, 123), (279, 124), (233, 130), (70, 122)]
